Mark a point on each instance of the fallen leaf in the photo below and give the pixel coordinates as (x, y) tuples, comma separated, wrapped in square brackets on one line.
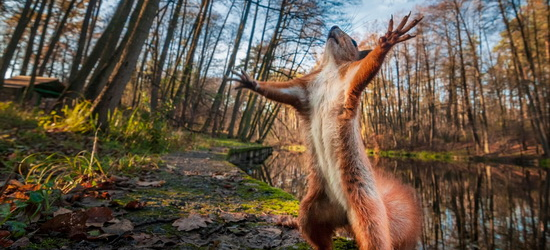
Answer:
[(119, 228), (219, 176), (141, 237), (97, 216), (106, 185), (134, 205), (21, 243), (4, 233), (15, 182), (267, 237), (6, 243), (150, 183), (233, 217), (62, 210), (144, 240), (73, 224), (92, 202), (190, 173), (96, 235), (194, 221), (116, 178)]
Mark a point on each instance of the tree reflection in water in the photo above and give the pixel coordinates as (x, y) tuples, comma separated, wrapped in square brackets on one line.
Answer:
[(465, 205)]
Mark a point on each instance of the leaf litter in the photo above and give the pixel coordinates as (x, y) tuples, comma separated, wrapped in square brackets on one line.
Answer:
[(129, 211)]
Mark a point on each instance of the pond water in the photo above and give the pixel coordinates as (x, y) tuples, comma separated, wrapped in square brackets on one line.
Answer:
[(465, 205)]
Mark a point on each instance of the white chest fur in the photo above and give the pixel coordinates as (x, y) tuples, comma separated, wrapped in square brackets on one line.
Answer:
[(327, 96)]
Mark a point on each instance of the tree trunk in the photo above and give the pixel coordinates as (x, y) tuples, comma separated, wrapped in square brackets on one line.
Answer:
[(82, 39), (214, 110), (24, 19), (237, 105), (55, 38), (155, 84), (466, 94), (538, 127), (182, 92), (111, 95), (104, 47), (29, 90), (109, 60), (32, 35)]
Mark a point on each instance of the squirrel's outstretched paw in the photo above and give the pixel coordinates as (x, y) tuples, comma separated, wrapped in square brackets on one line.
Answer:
[(398, 35), (245, 81)]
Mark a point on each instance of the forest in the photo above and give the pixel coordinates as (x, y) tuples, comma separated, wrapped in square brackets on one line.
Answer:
[(475, 79), (137, 80)]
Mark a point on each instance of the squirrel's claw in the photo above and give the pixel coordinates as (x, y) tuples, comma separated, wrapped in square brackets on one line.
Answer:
[(394, 36)]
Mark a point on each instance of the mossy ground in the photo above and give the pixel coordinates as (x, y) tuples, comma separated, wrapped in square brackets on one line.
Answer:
[(198, 181)]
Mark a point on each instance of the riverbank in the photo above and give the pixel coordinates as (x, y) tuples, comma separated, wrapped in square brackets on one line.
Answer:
[(531, 160), (521, 160)]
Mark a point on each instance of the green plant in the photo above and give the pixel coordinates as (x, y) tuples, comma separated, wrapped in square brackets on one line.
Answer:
[(14, 117), (65, 172), (139, 130), (40, 201), (132, 163), (71, 119)]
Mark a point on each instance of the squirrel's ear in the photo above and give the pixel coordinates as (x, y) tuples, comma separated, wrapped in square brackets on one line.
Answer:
[(362, 54)]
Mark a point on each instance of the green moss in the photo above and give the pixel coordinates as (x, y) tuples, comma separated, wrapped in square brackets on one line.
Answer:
[(545, 163), (344, 244), (422, 155), (14, 117), (49, 243), (261, 197), (299, 246), (204, 142)]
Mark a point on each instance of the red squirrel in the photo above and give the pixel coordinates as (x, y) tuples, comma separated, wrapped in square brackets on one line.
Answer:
[(344, 190)]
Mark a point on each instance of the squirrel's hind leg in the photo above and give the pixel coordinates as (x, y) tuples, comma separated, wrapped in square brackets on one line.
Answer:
[(319, 217)]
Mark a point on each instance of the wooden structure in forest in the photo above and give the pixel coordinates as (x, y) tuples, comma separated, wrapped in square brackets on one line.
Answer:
[(46, 87)]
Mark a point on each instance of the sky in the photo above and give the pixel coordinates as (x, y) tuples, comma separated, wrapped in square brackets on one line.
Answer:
[(379, 10)]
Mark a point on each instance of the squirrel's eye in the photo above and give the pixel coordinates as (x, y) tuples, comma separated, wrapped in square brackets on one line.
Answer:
[(354, 42)]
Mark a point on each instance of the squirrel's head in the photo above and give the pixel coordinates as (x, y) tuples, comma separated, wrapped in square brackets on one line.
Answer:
[(341, 48)]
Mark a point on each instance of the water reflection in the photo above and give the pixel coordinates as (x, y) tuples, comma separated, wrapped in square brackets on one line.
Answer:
[(466, 206)]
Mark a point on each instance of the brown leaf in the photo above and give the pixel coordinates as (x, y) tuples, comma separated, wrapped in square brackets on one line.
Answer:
[(233, 217), (134, 205), (192, 222), (97, 216), (264, 237), (141, 237), (15, 183), (21, 243), (6, 243), (119, 228), (154, 241), (115, 178), (150, 183), (4, 234), (73, 224), (62, 210), (92, 202)]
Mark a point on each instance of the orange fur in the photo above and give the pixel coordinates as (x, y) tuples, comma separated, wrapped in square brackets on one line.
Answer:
[(345, 191)]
